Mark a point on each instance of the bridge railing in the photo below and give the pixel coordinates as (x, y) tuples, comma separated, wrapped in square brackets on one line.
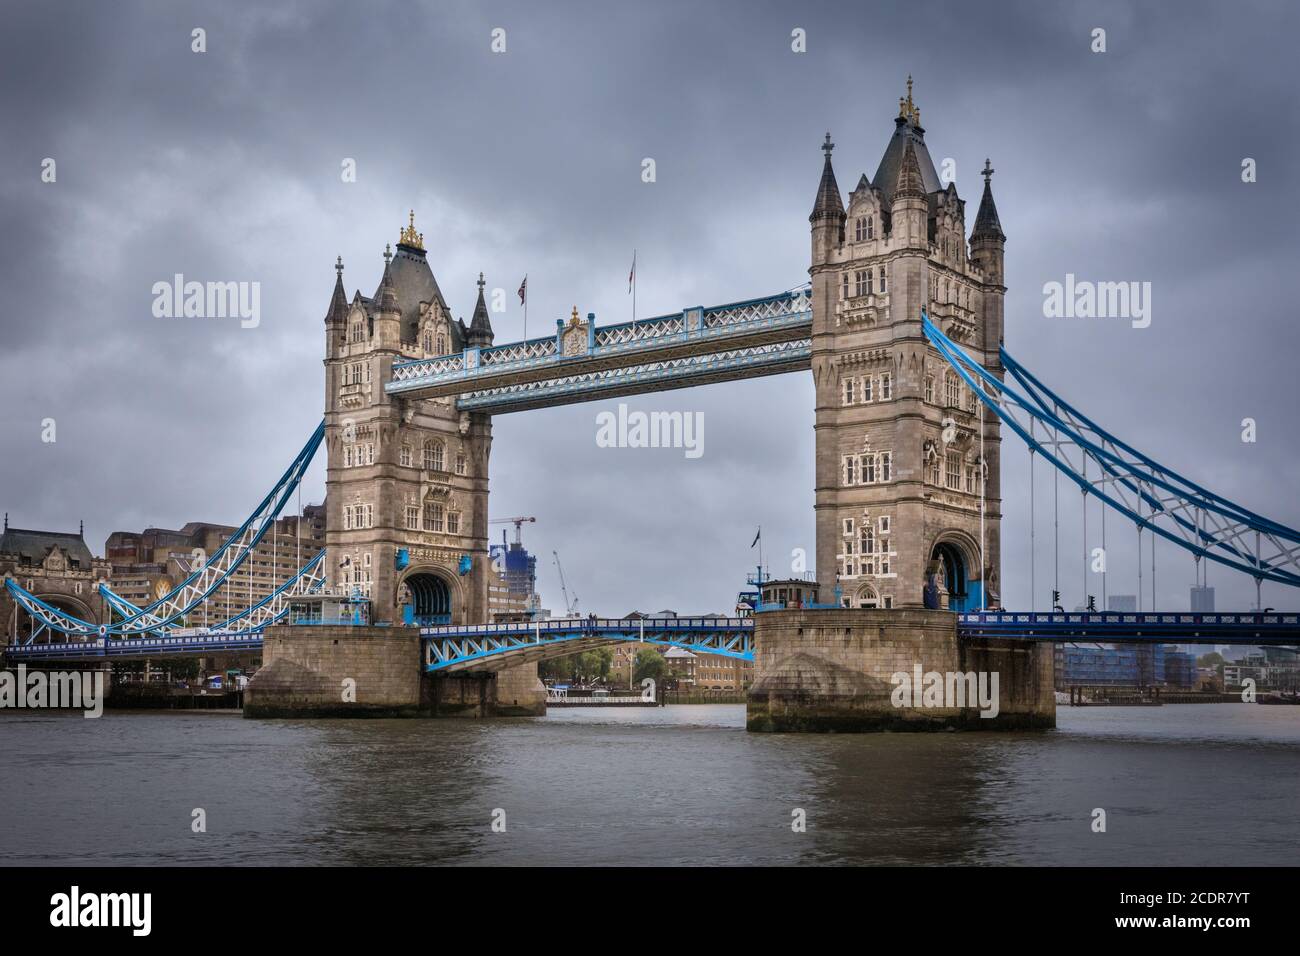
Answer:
[(1128, 618), (600, 624)]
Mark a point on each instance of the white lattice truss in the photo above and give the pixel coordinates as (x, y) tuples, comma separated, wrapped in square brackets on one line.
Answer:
[(195, 589), (788, 355)]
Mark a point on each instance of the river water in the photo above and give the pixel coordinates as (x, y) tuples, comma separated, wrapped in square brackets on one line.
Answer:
[(1187, 785)]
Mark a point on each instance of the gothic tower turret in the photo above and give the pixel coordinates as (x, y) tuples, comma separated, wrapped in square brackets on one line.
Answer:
[(407, 480), (901, 457), (827, 217), (988, 244)]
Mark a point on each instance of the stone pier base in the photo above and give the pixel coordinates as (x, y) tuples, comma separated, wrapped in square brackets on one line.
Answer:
[(325, 671), (832, 671)]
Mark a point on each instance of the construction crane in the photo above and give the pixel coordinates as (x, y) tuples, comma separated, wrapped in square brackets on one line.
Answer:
[(518, 523), (570, 607)]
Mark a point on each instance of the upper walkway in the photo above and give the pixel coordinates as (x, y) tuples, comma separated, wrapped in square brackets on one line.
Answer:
[(582, 361)]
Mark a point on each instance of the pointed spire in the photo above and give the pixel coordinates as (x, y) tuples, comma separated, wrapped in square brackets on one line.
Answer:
[(338, 310), (909, 185), (480, 326), (829, 205), (987, 224), (387, 295)]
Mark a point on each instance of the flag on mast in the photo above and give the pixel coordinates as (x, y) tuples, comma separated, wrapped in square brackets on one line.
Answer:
[(756, 537), (631, 276), (523, 291)]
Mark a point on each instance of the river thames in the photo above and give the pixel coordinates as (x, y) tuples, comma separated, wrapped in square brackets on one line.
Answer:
[(1192, 785)]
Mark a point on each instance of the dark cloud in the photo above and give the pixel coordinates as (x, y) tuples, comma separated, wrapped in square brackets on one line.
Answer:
[(225, 165)]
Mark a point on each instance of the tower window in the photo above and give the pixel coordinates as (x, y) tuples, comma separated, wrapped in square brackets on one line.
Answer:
[(871, 227), (453, 522), (433, 455), (460, 463), (412, 518), (883, 287), (850, 470), (432, 516), (868, 469), (886, 465), (886, 386), (952, 467), (867, 388), (848, 391), (404, 458), (442, 344), (848, 526), (951, 390), (929, 389)]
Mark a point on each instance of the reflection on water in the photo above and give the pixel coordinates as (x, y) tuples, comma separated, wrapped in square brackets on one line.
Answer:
[(1189, 785)]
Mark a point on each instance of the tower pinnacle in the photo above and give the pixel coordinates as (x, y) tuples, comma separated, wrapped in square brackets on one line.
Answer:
[(409, 237)]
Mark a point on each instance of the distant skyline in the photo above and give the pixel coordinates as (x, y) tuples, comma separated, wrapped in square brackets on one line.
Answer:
[(225, 166)]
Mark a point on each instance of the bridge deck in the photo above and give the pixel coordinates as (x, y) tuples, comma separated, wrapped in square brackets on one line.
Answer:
[(489, 647)]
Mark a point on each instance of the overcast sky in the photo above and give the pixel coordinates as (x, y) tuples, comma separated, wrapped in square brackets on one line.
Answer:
[(225, 165)]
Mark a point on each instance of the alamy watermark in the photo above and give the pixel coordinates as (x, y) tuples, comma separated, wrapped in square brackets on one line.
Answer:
[(947, 690), (69, 690), (208, 300), (651, 430), (1083, 299)]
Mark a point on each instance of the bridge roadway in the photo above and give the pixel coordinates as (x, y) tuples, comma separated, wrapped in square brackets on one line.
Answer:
[(490, 647)]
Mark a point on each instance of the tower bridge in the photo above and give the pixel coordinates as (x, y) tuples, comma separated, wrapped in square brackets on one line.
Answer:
[(902, 328)]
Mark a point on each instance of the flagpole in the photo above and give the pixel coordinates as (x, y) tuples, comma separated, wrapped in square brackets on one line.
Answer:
[(525, 306)]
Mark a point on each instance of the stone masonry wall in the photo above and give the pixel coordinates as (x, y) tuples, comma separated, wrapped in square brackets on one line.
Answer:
[(831, 670)]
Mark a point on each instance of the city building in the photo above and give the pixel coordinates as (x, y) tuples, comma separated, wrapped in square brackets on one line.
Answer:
[(57, 567), (512, 585), (1202, 600), (1124, 665)]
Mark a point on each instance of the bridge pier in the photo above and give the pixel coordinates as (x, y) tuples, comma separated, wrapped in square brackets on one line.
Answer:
[(327, 671), (862, 671)]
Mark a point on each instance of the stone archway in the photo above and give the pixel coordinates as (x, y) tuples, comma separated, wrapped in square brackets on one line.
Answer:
[(66, 603), (428, 596), (866, 597), (954, 567)]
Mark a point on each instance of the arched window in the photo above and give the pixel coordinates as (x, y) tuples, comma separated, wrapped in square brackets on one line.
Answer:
[(428, 342), (883, 287), (428, 455), (951, 390), (405, 459), (442, 344), (871, 227)]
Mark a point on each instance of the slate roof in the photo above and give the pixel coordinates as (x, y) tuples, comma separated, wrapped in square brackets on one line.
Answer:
[(413, 283), (33, 546), (986, 220), (886, 178)]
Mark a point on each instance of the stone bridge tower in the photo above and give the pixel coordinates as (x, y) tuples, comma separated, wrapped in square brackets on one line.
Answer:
[(407, 481), (902, 449)]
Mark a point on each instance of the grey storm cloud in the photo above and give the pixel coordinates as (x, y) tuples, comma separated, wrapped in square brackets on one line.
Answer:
[(226, 166)]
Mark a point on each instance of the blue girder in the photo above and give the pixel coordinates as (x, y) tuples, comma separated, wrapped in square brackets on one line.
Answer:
[(1124, 627), (487, 647)]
